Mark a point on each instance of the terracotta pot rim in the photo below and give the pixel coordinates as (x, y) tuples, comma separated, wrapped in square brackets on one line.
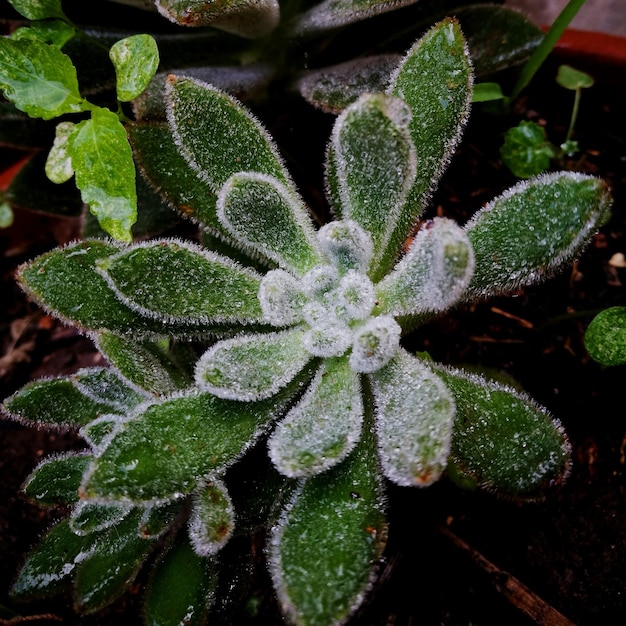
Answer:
[(602, 47)]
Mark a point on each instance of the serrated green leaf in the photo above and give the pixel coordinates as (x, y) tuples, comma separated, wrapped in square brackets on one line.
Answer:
[(333, 88), (534, 228), (38, 9), (217, 136), (56, 479), (55, 32), (435, 80), (252, 367), (526, 150), (212, 517), (248, 18), (59, 163), (111, 565), (503, 440), (265, 217), (432, 275), (323, 428), (180, 282), (145, 363), (605, 337), (164, 450), (55, 402), (65, 282), (39, 79), (136, 59), (323, 550), (50, 563), (375, 165), (105, 172), (414, 416), (181, 589)]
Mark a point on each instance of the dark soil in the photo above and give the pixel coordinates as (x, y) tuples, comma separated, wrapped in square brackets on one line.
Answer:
[(565, 553)]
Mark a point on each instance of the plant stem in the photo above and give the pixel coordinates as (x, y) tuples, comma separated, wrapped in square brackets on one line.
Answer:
[(545, 47), (572, 122)]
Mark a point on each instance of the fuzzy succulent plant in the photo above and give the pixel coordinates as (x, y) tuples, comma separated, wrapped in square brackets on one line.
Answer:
[(287, 335)]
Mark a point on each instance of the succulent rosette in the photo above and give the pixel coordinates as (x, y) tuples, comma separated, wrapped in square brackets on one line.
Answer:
[(300, 329)]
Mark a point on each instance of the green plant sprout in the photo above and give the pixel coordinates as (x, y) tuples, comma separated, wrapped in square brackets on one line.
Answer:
[(261, 52), (526, 150), (292, 343), (39, 79), (605, 337)]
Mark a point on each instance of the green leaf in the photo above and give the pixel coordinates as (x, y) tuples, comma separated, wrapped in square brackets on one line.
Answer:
[(180, 282), (435, 80), (105, 172), (414, 417), (323, 551), (111, 565), (56, 479), (218, 136), (38, 9), (487, 92), (145, 363), (136, 60), (157, 520), (433, 274), (89, 517), (252, 367), (6, 215), (212, 517), (54, 32), (266, 218), (248, 18), (573, 79), (73, 401), (39, 79), (534, 228), (50, 563), (65, 281), (181, 589), (526, 150), (325, 425), (333, 88), (59, 162), (502, 440), (331, 14), (375, 165), (162, 452), (605, 337)]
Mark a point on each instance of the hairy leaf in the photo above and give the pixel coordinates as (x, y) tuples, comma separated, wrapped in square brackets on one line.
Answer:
[(89, 517), (105, 385), (323, 428), (212, 517), (534, 228), (605, 337), (414, 416)]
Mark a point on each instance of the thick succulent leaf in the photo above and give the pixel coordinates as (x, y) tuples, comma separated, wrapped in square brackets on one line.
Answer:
[(158, 519), (89, 517), (66, 283), (57, 478), (105, 385), (432, 276), (331, 14), (252, 367), (323, 551), (54, 403), (605, 337), (323, 428), (181, 589), (218, 136), (38, 78), (111, 565), (163, 452), (375, 165), (534, 228), (182, 283), (264, 217), (435, 80), (148, 364), (502, 439), (333, 88), (212, 517), (136, 59), (98, 432), (498, 37), (48, 566), (248, 18), (414, 417)]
